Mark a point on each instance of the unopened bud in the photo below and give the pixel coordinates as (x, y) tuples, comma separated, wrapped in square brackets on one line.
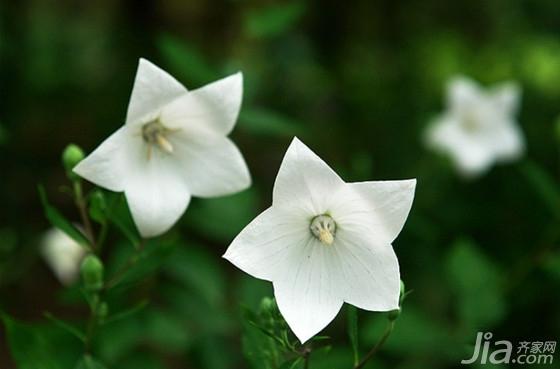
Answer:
[(92, 272), (71, 156), (394, 314)]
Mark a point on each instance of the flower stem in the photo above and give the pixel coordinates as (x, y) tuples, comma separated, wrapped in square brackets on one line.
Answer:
[(82, 208), (306, 355), (92, 322), (377, 346)]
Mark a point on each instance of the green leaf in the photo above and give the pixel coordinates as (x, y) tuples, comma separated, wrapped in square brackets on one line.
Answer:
[(273, 20), (119, 216), (126, 313), (476, 283), (67, 327), (184, 60), (223, 218), (198, 271), (353, 332), (88, 362), (545, 187), (29, 348), (59, 221), (268, 123)]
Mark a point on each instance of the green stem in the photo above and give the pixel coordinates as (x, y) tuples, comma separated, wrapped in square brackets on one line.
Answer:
[(377, 346), (82, 208), (92, 323)]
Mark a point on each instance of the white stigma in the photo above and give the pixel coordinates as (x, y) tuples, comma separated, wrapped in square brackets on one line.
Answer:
[(323, 228), (154, 134)]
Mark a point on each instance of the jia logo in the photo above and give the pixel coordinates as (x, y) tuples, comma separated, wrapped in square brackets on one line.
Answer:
[(536, 352)]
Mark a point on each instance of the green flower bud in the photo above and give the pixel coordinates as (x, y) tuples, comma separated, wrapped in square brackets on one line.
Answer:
[(402, 289), (394, 314), (268, 305), (102, 310), (71, 156), (98, 206), (92, 272)]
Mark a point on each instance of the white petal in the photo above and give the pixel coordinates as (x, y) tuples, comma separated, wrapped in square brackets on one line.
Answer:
[(156, 192), (63, 255), (473, 159), (462, 94), (153, 89), (508, 141), (370, 271), (304, 181), (472, 154), (390, 201), (211, 166), (107, 166), (506, 96), (212, 109), (265, 246), (307, 294)]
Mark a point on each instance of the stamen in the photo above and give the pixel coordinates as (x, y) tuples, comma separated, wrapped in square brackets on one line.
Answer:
[(323, 228), (154, 134)]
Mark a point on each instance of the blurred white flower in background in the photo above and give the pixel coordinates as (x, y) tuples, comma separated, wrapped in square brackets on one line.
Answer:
[(479, 127), (172, 146), (324, 242), (63, 255)]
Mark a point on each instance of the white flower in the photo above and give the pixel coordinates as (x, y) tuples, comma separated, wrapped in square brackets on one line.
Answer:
[(172, 146), (324, 242), (63, 255), (479, 127)]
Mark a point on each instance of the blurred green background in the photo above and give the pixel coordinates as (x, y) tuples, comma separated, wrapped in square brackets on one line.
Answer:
[(358, 82)]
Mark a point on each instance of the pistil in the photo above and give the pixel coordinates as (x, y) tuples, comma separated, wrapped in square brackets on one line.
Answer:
[(323, 228)]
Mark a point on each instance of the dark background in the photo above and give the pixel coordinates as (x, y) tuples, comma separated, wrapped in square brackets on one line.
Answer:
[(358, 82)]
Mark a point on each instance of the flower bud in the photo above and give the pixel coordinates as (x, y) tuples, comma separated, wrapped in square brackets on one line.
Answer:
[(268, 305), (102, 310), (394, 314), (71, 156), (92, 272)]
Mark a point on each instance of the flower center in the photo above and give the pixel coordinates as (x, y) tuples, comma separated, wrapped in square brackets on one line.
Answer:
[(471, 122), (323, 228), (155, 134)]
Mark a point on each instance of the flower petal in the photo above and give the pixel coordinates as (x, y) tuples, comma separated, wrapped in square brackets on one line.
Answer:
[(508, 141), (370, 271), (153, 89), (307, 294), (107, 164), (462, 93), (506, 96), (212, 109), (265, 246), (390, 201), (157, 194), (211, 166), (304, 181)]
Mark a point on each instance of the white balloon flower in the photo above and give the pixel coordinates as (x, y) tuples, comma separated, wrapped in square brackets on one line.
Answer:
[(324, 242), (172, 146), (479, 127), (63, 255)]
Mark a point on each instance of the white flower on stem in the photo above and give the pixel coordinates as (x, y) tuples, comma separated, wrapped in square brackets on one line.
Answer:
[(324, 242), (479, 127), (174, 145), (63, 255)]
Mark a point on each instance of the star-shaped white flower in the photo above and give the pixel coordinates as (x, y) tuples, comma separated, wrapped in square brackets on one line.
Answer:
[(324, 242), (63, 255), (479, 126), (172, 146)]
